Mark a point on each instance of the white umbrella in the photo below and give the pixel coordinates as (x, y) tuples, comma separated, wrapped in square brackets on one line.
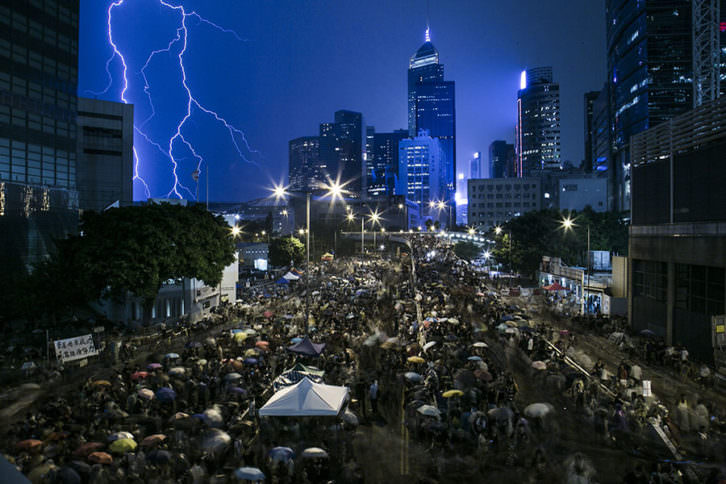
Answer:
[(480, 344), (539, 365), (536, 410), (249, 474), (120, 435), (428, 410), (428, 345), (314, 453), (350, 418), (177, 370)]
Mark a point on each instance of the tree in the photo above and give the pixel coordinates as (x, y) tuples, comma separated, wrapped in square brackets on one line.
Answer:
[(429, 223), (285, 249), (467, 250), (137, 249)]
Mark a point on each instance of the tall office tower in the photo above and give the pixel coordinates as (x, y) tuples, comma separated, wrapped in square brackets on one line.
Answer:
[(382, 156), (350, 143), (38, 79), (371, 186), (305, 169), (538, 122), (431, 105), (421, 171), (105, 153), (328, 152), (601, 142), (650, 75), (501, 159), (476, 166), (590, 98)]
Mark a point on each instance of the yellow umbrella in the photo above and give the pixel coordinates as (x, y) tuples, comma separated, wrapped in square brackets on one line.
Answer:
[(452, 393), (250, 353), (415, 359), (121, 446), (240, 336), (102, 383)]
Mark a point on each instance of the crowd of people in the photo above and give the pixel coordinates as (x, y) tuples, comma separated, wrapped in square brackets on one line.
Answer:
[(468, 387)]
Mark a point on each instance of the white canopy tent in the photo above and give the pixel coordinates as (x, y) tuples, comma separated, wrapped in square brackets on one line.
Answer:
[(306, 399), (291, 277)]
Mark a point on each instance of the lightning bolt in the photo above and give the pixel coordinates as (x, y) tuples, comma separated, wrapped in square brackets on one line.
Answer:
[(236, 135)]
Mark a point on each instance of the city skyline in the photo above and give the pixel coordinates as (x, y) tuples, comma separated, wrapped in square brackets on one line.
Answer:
[(485, 65)]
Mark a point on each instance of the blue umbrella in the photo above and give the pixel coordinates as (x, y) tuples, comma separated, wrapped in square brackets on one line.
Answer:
[(474, 358), (412, 376), (249, 473), (296, 340), (251, 361), (238, 390), (165, 394), (283, 454), (171, 356), (193, 344), (507, 317)]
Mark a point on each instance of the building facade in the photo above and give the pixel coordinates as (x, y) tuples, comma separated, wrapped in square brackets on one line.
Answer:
[(105, 153), (432, 107), (501, 160), (38, 83), (602, 139), (650, 76), (305, 167), (579, 191), (677, 250), (590, 99), (494, 201), (421, 174), (382, 161), (537, 139)]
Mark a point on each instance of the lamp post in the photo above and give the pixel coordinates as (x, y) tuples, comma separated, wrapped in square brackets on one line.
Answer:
[(568, 224)]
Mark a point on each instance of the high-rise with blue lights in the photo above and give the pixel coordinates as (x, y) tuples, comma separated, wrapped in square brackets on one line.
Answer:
[(38, 107), (431, 105), (341, 147), (501, 159), (382, 161), (421, 171), (537, 140), (650, 76), (305, 169)]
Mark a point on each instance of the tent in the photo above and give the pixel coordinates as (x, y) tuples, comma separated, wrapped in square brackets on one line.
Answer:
[(307, 348), (291, 277), (282, 280), (297, 373), (306, 399), (555, 287), (327, 256)]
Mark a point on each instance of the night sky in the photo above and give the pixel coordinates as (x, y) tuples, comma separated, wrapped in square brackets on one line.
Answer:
[(299, 61)]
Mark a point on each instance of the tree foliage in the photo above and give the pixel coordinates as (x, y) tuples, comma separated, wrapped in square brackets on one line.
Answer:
[(524, 240), (467, 250), (282, 250)]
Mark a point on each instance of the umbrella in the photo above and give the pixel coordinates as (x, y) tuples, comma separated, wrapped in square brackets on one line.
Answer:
[(41, 472), (250, 361), (250, 353), (539, 365), (350, 418), (415, 359), (237, 390), (100, 458), (510, 331), (314, 453), (87, 448), (232, 376), (159, 456), (536, 410), (474, 358), (138, 375), (152, 440), (29, 444), (238, 337), (412, 376), (165, 394), (480, 344), (154, 366), (296, 340), (501, 413), (210, 341), (171, 356), (213, 418), (146, 393), (194, 344), (81, 467), (648, 333), (179, 416), (214, 440), (177, 371), (452, 393), (281, 454), (429, 345), (121, 446), (507, 317), (250, 332), (428, 410), (249, 474), (453, 321), (101, 383), (120, 435), (263, 345)]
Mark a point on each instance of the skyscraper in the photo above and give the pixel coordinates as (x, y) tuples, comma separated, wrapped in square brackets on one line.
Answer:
[(650, 75), (431, 105), (601, 145), (350, 143), (382, 161), (476, 166), (421, 171), (537, 140), (38, 79), (501, 159), (590, 98), (305, 169), (105, 153)]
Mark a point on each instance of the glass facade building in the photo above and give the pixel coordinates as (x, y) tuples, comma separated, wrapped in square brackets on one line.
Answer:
[(650, 75), (421, 171), (382, 161), (38, 142), (501, 159), (305, 168)]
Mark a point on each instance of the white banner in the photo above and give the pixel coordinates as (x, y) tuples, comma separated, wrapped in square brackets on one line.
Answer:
[(646, 388), (75, 348)]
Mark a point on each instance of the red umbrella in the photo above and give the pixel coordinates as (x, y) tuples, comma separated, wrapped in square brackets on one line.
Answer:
[(87, 448), (555, 287), (268, 314), (263, 345), (29, 444), (139, 375), (58, 435), (100, 458), (152, 440)]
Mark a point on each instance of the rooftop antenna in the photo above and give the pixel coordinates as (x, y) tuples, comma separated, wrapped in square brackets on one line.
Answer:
[(428, 31)]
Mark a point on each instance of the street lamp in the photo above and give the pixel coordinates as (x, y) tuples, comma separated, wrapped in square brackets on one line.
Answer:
[(236, 231), (568, 224)]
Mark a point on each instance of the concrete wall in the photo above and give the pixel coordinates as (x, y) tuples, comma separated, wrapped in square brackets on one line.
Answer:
[(620, 276)]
